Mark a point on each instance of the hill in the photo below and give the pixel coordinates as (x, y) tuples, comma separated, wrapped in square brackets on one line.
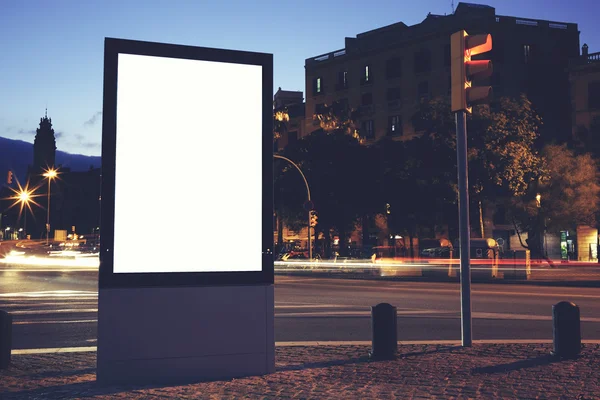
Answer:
[(16, 155)]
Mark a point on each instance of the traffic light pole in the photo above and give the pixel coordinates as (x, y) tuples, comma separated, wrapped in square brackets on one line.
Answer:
[(463, 227)]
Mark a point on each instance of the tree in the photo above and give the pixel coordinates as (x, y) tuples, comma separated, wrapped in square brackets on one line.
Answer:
[(588, 140), (340, 174), (417, 183), (503, 162), (569, 196)]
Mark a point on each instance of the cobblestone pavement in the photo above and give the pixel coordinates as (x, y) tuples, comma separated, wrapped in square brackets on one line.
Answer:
[(486, 371)]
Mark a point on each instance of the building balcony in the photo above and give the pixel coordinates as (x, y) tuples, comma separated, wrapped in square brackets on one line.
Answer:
[(341, 86), (591, 58), (394, 104)]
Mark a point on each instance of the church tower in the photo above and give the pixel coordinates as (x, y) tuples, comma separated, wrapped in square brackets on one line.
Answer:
[(44, 146)]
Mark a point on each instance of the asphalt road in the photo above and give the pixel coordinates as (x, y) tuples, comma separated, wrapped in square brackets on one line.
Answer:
[(57, 307)]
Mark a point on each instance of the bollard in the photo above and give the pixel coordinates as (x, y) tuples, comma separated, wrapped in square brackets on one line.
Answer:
[(383, 332), (5, 338), (566, 331)]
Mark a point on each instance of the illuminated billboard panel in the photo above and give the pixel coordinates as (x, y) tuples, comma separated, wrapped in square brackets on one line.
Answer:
[(187, 166)]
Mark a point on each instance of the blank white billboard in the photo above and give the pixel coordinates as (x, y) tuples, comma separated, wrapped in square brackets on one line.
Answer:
[(188, 170)]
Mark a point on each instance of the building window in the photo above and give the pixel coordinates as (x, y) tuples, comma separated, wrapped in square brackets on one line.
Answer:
[(594, 95), (366, 75), (422, 61), (368, 129), (393, 93), (394, 125), (527, 53), (423, 90), (366, 99), (342, 103), (447, 55), (342, 81), (318, 86), (292, 138), (393, 68)]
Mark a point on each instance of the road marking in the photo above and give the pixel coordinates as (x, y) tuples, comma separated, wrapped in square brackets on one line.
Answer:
[(66, 310), (484, 315), (320, 343), (400, 313), (55, 350), (33, 303), (52, 293), (49, 269), (314, 305), (80, 321), (426, 290), (358, 313)]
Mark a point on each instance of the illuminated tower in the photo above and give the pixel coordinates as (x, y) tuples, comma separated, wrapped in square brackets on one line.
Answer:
[(44, 146)]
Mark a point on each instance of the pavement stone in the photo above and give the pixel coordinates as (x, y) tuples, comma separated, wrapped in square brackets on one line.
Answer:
[(484, 371)]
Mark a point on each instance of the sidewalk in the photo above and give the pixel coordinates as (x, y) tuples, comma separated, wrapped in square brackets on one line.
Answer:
[(421, 371)]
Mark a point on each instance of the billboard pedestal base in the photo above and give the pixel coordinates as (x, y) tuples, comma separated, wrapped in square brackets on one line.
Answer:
[(184, 334)]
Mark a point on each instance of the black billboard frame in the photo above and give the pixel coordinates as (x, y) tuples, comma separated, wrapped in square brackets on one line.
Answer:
[(107, 278)]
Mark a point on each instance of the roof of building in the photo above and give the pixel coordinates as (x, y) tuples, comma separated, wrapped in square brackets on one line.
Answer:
[(433, 23)]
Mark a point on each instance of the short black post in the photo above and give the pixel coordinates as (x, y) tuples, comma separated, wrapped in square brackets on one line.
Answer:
[(5, 338), (383, 332), (566, 330)]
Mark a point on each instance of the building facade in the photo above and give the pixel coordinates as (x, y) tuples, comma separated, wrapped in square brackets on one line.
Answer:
[(73, 197), (290, 103), (584, 79), (386, 72)]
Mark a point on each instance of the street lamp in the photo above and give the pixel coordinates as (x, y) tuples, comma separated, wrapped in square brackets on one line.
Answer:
[(50, 174), (24, 196), (308, 201)]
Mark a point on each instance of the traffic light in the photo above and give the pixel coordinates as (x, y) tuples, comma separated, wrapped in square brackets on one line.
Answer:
[(462, 48), (9, 178), (313, 218)]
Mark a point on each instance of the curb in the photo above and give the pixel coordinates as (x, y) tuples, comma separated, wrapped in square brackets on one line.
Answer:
[(91, 349)]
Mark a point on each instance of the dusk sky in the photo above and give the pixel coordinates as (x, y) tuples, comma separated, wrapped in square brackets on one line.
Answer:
[(52, 51)]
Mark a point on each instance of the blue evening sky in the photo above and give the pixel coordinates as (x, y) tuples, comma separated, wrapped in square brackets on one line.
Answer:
[(52, 51)]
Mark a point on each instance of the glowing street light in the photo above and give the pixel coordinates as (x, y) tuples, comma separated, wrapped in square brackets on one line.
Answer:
[(24, 197), (50, 174)]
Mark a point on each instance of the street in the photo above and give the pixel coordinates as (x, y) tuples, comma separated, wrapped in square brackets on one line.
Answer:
[(57, 307)]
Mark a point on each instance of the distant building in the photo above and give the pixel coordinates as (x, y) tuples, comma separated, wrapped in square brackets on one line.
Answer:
[(44, 146), (74, 195), (291, 103), (386, 72), (584, 77)]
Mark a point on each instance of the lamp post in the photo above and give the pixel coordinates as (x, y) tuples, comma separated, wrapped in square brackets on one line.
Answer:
[(538, 199), (50, 174), (24, 199), (308, 196)]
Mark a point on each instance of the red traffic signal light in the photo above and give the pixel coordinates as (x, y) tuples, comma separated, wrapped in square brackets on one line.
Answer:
[(464, 70), (9, 178), (313, 218)]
